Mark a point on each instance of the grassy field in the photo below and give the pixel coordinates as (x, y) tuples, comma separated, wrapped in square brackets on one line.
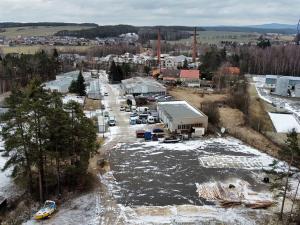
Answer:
[(214, 37), (34, 48), (38, 31)]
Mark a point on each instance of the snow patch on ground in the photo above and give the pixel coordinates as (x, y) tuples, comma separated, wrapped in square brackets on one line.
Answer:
[(284, 123), (66, 99), (192, 214), (7, 186)]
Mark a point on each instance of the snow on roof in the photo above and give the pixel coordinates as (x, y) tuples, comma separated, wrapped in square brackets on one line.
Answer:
[(179, 109), (284, 123), (190, 74), (138, 84), (272, 76)]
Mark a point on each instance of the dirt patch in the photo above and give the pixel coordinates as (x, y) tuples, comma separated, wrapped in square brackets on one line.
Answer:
[(257, 112), (231, 118), (91, 104), (194, 97)]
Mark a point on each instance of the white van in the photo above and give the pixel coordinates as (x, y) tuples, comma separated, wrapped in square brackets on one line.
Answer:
[(151, 120)]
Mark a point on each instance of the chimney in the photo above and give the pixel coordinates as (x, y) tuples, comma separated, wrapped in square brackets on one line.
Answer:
[(195, 46), (158, 48)]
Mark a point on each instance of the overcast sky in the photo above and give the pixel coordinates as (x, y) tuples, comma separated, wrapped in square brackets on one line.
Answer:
[(152, 12)]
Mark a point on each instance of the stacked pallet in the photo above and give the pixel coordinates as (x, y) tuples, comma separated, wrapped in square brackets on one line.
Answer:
[(233, 195)]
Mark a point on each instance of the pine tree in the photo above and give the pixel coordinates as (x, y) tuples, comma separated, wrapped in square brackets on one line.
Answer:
[(80, 85), (17, 139), (185, 64), (73, 87), (38, 129), (112, 72), (59, 128)]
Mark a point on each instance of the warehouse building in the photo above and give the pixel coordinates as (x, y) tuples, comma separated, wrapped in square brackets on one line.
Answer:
[(285, 85), (142, 86), (94, 90), (62, 85), (297, 90), (271, 80), (181, 117)]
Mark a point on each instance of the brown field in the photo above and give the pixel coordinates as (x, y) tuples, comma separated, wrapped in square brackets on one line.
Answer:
[(38, 30), (194, 97), (258, 111), (91, 104), (35, 48)]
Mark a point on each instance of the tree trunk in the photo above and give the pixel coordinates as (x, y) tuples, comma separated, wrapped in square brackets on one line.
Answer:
[(285, 189)]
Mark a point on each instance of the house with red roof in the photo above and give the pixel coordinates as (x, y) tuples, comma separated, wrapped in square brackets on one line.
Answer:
[(190, 75)]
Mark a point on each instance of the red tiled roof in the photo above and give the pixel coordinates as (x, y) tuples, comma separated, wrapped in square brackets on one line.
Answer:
[(190, 74), (232, 70)]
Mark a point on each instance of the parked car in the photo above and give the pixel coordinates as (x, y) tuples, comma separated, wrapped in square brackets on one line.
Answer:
[(111, 121), (122, 108), (127, 109), (132, 120), (151, 99), (143, 116), (158, 130), (106, 114), (150, 120), (102, 106), (46, 211), (134, 115), (105, 94)]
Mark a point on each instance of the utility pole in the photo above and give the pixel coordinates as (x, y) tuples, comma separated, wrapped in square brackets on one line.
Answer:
[(298, 33), (158, 49), (195, 45)]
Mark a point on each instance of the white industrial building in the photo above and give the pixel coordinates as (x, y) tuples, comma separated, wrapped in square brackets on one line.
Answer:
[(94, 90), (61, 85), (297, 90), (179, 116), (142, 86), (285, 85), (62, 82), (271, 80)]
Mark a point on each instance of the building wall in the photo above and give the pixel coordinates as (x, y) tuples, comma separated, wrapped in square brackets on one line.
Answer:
[(297, 91), (184, 124), (282, 87)]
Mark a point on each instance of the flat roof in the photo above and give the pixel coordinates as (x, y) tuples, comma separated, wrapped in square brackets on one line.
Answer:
[(179, 109), (136, 81)]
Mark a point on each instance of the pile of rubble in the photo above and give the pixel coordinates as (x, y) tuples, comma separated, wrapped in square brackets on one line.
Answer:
[(229, 195)]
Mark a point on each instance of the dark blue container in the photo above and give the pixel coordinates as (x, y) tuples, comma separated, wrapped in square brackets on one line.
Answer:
[(148, 136)]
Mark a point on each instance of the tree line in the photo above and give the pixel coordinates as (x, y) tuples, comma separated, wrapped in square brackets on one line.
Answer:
[(262, 59), (100, 31), (48, 143), (118, 72), (19, 69)]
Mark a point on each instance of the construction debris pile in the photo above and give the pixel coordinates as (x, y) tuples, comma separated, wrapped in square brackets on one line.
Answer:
[(234, 194)]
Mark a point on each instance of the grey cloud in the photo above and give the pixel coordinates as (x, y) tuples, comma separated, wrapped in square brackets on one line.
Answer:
[(152, 12)]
